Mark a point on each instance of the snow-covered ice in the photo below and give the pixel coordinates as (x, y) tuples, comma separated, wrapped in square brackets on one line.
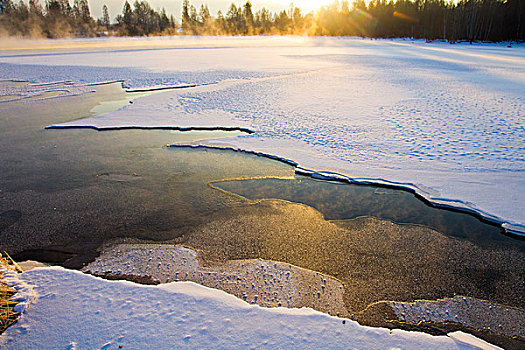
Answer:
[(263, 282), (444, 120), (74, 310), (470, 312)]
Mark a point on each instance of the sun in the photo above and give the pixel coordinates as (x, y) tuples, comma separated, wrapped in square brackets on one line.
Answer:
[(307, 5)]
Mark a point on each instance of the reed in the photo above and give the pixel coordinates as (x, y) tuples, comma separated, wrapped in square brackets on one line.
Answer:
[(7, 315)]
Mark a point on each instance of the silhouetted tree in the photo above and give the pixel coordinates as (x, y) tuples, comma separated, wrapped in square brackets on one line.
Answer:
[(105, 21), (470, 20)]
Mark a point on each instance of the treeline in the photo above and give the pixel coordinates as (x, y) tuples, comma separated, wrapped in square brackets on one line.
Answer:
[(143, 20), (58, 19), (241, 20), (470, 20)]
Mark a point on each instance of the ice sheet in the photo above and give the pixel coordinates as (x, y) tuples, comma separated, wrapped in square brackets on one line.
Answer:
[(444, 120)]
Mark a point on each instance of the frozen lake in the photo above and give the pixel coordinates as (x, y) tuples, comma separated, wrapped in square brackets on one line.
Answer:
[(444, 120)]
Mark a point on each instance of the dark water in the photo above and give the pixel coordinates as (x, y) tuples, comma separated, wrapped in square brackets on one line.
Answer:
[(338, 201), (63, 193)]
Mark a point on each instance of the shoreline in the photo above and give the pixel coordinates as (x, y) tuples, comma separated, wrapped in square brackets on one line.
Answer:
[(256, 281), (289, 286)]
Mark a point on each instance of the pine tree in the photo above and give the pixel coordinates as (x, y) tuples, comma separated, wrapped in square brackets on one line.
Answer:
[(105, 17), (186, 15), (85, 14), (248, 18), (127, 16), (204, 15)]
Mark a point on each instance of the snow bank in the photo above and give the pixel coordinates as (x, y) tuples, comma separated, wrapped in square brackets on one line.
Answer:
[(74, 310), (25, 293)]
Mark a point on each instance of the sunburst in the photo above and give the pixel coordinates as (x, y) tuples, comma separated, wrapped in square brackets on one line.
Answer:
[(306, 5)]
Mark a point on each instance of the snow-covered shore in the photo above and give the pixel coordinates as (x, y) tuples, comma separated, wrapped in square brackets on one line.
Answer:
[(271, 284), (77, 311)]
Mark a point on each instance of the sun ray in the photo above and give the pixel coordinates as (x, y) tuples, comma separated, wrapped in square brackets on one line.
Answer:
[(307, 5)]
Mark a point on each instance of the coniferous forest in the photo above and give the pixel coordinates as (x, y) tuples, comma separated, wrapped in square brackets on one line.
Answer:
[(464, 20)]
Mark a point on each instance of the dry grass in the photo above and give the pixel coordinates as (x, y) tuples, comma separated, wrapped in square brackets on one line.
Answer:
[(7, 314)]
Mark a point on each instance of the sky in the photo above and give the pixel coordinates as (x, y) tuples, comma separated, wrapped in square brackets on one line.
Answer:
[(174, 6)]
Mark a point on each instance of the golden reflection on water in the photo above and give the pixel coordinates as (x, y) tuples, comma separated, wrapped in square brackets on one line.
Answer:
[(339, 201)]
